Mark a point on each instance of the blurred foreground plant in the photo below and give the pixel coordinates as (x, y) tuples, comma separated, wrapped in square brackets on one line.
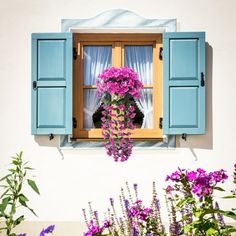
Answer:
[(13, 197), (192, 208), (136, 219)]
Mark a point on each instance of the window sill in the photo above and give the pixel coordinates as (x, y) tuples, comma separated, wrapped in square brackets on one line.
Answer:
[(85, 144)]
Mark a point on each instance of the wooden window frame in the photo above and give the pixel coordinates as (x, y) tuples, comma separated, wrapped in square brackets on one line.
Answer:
[(118, 42)]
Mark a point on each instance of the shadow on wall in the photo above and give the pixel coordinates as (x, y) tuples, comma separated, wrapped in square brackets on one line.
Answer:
[(43, 140), (203, 141)]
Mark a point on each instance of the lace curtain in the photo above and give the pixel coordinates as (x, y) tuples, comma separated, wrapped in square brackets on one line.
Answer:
[(140, 59), (96, 59)]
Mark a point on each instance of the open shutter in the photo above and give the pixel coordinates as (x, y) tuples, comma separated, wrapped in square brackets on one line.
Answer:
[(184, 83), (52, 83)]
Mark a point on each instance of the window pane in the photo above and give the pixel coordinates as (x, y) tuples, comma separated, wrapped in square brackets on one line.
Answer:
[(145, 104), (140, 59), (96, 59), (91, 104)]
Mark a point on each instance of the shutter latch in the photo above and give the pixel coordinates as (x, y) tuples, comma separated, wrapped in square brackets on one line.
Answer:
[(34, 85), (202, 79), (160, 123), (161, 53), (74, 123), (75, 53)]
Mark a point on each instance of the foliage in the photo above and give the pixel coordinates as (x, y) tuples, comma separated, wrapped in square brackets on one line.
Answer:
[(136, 220), (116, 87), (232, 214), (192, 209), (13, 197), (190, 204)]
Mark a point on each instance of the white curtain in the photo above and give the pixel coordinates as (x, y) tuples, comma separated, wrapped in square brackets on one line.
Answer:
[(140, 59), (96, 59)]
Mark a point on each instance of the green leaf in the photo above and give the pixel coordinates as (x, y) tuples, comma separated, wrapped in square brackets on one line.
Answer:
[(219, 189), (189, 200), (231, 196), (33, 185), (4, 193), (210, 231), (32, 211), (3, 178), (4, 204), (23, 197), (187, 228), (229, 214), (19, 220), (14, 162), (28, 168)]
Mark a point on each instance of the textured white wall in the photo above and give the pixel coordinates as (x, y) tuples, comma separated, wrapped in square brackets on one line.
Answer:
[(67, 182)]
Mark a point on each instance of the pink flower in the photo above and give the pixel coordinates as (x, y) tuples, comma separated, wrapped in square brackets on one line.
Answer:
[(114, 84)]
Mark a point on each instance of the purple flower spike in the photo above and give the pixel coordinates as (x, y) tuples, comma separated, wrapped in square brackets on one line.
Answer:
[(48, 230)]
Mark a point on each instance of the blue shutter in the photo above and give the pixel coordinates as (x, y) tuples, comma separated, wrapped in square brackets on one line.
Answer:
[(184, 83), (52, 83)]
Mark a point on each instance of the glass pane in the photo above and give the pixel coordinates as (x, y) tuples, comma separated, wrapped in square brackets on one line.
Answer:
[(96, 59), (140, 59), (91, 105), (145, 105)]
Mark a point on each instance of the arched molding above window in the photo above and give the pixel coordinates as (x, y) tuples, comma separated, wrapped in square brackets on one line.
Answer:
[(118, 20)]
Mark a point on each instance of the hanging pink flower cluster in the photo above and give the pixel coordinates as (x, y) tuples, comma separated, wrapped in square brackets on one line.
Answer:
[(116, 87)]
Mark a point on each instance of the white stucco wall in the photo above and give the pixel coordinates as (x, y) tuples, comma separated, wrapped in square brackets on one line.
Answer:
[(69, 179)]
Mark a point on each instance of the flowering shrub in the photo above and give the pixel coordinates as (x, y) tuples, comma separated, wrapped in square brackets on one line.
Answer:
[(136, 220), (116, 87), (191, 204)]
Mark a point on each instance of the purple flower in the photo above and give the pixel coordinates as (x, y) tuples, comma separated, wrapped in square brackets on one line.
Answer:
[(220, 216), (175, 176), (191, 176), (169, 189), (48, 230), (21, 235), (112, 201), (106, 224), (93, 229), (134, 232)]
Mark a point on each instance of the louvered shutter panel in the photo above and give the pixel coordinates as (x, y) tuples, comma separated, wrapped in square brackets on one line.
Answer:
[(184, 83), (52, 83)]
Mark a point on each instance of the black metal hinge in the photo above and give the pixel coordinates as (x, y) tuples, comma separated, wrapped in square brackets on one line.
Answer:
[(160, 122), (161, 54), (74, 123), (75, 53)]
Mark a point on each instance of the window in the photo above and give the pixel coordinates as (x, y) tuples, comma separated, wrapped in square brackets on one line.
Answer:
[(55, 96), (96, 52)]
